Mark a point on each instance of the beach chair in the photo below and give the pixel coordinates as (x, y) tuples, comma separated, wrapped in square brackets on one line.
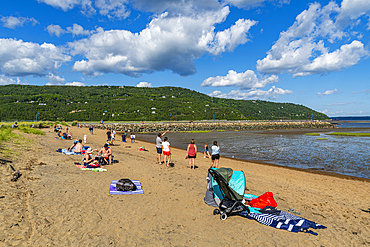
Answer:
[(229, 200)]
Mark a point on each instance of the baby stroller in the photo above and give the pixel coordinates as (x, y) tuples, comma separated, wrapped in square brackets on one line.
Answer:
[(225, 191)]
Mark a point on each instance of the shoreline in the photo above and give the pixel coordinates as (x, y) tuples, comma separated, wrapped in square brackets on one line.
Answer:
[(266, 163)]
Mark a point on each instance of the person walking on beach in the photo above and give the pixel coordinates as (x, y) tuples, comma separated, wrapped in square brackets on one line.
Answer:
[(132, 137), (206, 151), (158, 142), (91, 129), (113, 136), (109, 135), (166, 151), (124, 135), (192, 154), (215, 154)]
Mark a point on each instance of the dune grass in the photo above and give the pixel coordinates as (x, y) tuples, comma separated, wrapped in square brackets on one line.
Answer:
[(312, 134), (349, 134), (29, 130)]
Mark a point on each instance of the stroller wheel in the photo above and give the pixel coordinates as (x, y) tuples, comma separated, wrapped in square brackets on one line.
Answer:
[(223, 216), (216, 211)]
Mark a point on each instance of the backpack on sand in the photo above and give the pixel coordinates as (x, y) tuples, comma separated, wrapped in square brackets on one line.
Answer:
[(125, 184)]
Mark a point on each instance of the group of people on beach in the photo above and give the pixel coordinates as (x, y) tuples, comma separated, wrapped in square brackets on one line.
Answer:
[(191, 152)]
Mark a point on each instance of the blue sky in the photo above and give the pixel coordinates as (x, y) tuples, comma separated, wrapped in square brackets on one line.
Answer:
[(313, 53)]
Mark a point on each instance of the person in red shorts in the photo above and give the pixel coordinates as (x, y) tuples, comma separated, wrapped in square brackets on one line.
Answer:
[(166, 151)]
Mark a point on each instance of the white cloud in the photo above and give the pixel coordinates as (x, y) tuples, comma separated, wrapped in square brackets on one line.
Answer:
[(113, 8), (4, 80), (13, 22), (231, 37), (272, 93), (244, 80), (55, 79), (252, 3), (86, 5), (167, 43), (144, 84), (77, 30), (327, 92), (301, 49), (18, 58), (75, 83), (353, 9), (55, 29), (110, 8)]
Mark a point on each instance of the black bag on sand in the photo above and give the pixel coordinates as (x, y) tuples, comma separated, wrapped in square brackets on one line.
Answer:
[(101, 160), (125, 184)]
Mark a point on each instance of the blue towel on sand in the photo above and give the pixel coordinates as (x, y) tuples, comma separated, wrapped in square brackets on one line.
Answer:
[(285, 221), (113, 190)]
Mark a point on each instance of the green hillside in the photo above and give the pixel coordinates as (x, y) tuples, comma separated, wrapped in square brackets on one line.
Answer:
[(113, 103)]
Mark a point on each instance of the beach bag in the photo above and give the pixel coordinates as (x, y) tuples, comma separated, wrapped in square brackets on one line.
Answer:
[(125, 184), (263, 201), (101, 160)]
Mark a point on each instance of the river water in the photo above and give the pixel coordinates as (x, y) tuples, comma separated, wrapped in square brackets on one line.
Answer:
[(339, 154)]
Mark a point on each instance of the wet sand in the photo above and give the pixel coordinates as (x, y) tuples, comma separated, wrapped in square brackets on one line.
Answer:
[(55, 203)]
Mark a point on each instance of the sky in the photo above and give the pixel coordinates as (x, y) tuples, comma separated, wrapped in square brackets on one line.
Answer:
[(312, 53)]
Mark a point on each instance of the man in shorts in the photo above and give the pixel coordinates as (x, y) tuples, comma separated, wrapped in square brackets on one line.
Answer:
[(106, 152), (109, 135), (158, 142)]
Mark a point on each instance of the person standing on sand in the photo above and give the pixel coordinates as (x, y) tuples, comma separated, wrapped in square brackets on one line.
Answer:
[(166, 151), (192, 153), (113, 136), (91, 130), (215, 154), (124, 135), (158, 142), (109, 137), (206, 151)]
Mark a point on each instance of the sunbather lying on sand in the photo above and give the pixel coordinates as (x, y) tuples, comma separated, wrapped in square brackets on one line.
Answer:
[(72, 148)]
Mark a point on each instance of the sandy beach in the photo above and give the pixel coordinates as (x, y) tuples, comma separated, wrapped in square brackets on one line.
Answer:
[(55, 203)]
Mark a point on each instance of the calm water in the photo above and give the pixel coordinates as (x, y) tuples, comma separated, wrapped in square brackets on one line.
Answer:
[(344, 155)]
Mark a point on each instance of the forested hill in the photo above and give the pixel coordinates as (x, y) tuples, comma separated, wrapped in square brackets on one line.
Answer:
[(113, 103)]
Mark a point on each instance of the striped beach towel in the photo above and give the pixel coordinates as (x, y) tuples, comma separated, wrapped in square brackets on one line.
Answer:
[(285, 221)]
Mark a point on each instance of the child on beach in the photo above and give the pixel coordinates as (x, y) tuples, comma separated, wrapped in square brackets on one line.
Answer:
[(166, 151), (192, 154), (206, 151), (132, 137), (215, 154)]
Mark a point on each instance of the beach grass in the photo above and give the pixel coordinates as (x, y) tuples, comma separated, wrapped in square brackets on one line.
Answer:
[(322, 138), (349, 134), (312, 134), (29, 130)]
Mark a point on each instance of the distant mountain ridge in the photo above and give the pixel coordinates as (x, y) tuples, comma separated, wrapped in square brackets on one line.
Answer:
[(126, 103)]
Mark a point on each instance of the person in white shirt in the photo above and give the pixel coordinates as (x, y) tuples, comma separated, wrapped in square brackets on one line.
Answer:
[(215, 154), (166, 151)]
